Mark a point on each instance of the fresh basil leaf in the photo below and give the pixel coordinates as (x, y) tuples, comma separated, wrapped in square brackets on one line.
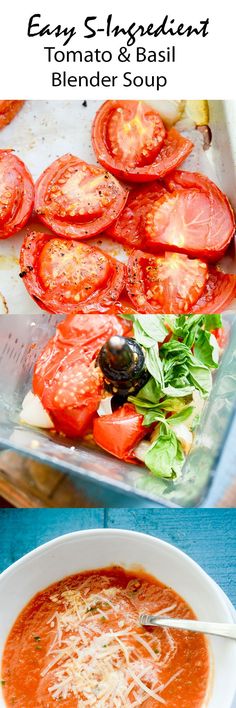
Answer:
[(181, 416), (148, 329), (175, 372), (185, 327), (154, 365), (151, 416), (175, 361), (145, 405), (153, 325), (179, 460), (178, 367), (201, 379), (179, 392), (206, 349), (150, 393), (192, 333), (141, 336), (162, 455), (212, 322), (156, 411), (173, 404), (174, 347)]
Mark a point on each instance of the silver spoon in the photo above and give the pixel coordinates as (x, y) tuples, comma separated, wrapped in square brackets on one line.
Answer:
[(219, 629)]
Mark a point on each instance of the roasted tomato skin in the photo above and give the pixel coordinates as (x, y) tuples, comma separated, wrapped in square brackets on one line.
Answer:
[(16, 194), (219, 293), (195, 218), (120, 432), (8, 111), (83, 278), (129, 227), (66, 378), (174, 147), (90, 333), (78, 200), (215, 296)]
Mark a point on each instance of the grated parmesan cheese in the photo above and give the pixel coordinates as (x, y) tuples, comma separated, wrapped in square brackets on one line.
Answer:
[(101, 659)]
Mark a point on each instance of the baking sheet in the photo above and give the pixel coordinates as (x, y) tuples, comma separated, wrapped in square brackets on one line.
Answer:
[(44, 130)]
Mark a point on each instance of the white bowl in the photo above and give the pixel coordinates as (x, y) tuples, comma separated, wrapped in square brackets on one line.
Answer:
[(84, 550)]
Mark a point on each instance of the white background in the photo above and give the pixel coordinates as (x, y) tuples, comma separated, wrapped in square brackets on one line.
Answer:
[(204, 68)]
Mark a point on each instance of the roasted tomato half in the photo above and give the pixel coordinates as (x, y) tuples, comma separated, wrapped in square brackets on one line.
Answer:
[(120, 432), (174, 283), (8, 111), (78, 200), (193, 217), (68, 276), (16, 194), (130, 140), (129, 227), (66, 378)]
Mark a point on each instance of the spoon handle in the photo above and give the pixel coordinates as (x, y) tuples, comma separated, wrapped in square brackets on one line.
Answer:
[(215, 628)]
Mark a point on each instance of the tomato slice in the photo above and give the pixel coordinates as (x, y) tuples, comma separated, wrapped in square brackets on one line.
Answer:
[(120, 432), (195, 217), (129, 139), (68, 276), (66, 377), (135, 133), (16, 194), (129, 227), (8, 111), (78, 200), (173, 283)]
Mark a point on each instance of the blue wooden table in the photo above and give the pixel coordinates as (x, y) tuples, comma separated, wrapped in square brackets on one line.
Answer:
[(208, 536)]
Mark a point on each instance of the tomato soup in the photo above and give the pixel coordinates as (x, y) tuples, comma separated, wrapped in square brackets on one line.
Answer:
[(78, 642)]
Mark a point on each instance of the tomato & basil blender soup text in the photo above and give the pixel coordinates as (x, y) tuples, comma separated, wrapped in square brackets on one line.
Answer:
[(130, 53)]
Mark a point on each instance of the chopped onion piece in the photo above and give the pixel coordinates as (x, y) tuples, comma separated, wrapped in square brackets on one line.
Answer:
[(33, 412), (184, 436), (142, 449), (185, 124), (170, 111), (104, 407)]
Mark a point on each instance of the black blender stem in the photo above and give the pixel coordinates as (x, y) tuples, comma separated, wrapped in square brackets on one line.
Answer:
[(122, 362)]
